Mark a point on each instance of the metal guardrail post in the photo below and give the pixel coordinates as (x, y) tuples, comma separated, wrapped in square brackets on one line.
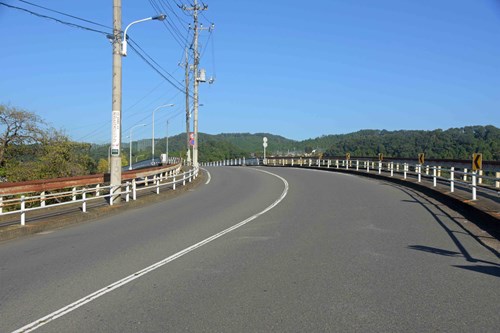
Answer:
[(379, 168), (134, 190), (127, 196), (405, 169), (42, 199), (157, 186), (452, 179), (84, 200), (173, 187), (357, 165), (419, 168), (111, 191), (74, 194), (480, 178), (97, 190), (23, 213), (474, 182), (465, 174), (497, 183), (434, 176), (368, 167), (391, 165)]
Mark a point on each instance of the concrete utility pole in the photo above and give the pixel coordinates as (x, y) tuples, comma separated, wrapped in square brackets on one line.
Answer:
[(196, 62), (116, 134), (188, 116)]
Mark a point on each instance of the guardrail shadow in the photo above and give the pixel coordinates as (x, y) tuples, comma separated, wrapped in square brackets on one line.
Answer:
[(488, 267)]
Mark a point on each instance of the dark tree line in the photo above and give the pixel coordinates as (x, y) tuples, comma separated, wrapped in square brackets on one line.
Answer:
[(454, 143)]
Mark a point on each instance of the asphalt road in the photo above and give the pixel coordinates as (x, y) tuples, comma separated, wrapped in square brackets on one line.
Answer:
[(298, 251)]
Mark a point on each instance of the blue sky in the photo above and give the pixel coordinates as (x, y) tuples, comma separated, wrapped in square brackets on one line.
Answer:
[(293, 68)]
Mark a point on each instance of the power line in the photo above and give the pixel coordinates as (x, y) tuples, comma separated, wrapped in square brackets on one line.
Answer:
[(73, 25), (169, 24), (157, 67), (68, 15)]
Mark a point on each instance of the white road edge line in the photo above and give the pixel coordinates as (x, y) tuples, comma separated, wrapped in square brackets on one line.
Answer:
[(89, 298), (209, 176)]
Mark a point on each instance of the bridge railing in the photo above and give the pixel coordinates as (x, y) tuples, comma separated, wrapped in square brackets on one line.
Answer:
[(484, 182), (481, 181), (21, 198)]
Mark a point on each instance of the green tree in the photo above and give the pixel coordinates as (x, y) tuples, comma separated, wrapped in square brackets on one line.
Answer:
[(102, 166), (18, 128)]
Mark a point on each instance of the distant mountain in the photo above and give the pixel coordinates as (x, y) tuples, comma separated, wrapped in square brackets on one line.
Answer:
[(453, 143)]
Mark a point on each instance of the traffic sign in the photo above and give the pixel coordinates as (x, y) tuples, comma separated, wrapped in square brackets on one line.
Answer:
[(348, 156), (421, 158), (477, 161), (264, 144), (191, 138), (380, 157), (264, 139)]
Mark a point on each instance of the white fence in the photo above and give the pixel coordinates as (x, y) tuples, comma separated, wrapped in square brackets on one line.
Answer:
[(480, 182), (22, 204)]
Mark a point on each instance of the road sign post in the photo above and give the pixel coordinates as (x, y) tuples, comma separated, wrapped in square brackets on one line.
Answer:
[(421, 158), (477, 161), (264, 144)]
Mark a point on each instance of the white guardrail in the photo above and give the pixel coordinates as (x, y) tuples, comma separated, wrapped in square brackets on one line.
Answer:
[(486, 182), (127, 190)]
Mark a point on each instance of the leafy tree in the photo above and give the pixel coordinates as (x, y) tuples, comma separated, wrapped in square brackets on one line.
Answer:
[(103, 166), (56, 156), (18, 127)]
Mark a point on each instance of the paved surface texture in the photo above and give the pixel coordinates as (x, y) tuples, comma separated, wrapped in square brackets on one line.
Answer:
[(338, 253)]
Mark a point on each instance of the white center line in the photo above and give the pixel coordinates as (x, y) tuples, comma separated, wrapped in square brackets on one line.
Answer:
[(89, 298)]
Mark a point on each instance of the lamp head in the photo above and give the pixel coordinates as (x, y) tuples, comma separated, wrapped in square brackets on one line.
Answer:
[(160, 17)]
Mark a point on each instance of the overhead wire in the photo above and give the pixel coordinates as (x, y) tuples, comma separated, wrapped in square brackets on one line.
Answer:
[(64, 14), (155, 66), (169, 25), (70, 24), (134, 46)]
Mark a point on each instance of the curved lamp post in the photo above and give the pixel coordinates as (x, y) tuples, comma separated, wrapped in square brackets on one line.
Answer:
[(153, 136), (119, 50), (160, 17)]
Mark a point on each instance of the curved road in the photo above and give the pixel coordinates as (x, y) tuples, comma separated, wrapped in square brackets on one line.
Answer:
[(292, 251)]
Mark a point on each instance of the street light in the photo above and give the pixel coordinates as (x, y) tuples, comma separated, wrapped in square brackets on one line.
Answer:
[(119, 50), (167, 141), (153, 136), (160, 17), (130, 147)]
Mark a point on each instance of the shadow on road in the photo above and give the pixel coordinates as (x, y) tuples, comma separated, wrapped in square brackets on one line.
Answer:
[(440, 215)]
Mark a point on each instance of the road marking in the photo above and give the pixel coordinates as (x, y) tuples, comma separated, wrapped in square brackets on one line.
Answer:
[(101, 292), (209, 176)]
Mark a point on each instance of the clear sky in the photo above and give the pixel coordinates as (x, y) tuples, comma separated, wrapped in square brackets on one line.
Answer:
[(300, 69)]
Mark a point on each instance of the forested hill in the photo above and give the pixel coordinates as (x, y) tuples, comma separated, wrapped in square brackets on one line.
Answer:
[(454, 143)]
